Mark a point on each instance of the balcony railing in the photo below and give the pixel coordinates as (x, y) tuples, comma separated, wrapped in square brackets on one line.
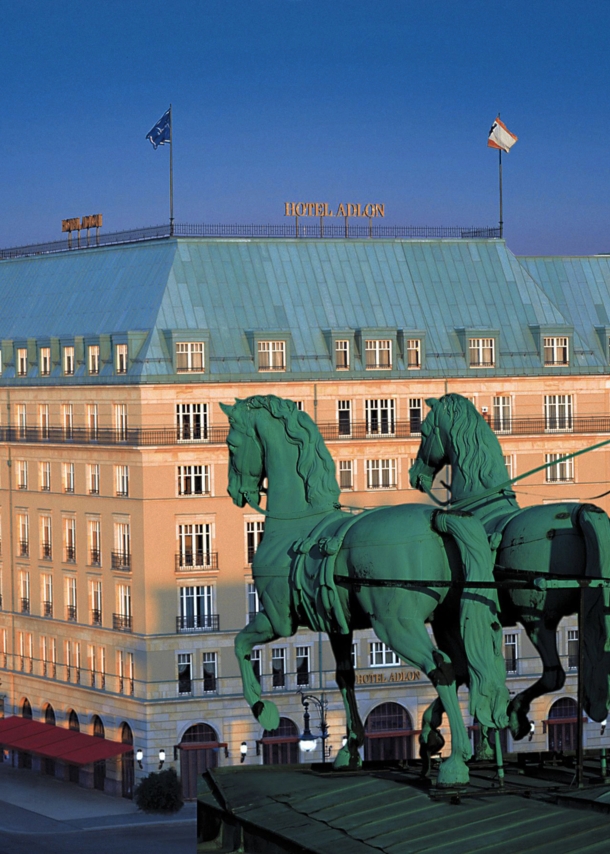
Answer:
[(122, 622), (71, 613), (47, 551), (47, 609), (70, 554), (25, 606), (96, 617), (198, 623), (24, 548), (187, 561), (95, 557), (121, 560)]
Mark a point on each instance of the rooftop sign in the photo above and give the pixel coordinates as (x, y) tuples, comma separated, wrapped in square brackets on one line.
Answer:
[(322, 209)]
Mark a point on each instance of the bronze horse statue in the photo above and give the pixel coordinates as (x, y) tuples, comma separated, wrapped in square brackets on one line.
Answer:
[(553, 540), (328, 570)]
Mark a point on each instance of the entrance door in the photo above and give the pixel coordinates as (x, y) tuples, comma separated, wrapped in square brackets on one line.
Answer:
[(127, 763), (99, 768), (198, 752), (563, 718), (281, 745), (388, 733)]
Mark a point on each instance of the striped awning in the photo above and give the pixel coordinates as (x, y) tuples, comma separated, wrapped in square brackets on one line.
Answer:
[(54, 742)]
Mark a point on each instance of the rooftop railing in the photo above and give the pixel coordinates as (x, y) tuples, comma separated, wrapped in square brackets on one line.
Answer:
[(335, 230)]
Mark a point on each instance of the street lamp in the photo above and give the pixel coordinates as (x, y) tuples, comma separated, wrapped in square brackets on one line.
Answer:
[(243, 751), (307, 742), (161, 758), (140, 756)]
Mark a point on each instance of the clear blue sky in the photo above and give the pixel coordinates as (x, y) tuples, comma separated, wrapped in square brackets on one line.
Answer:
[(308, 100)]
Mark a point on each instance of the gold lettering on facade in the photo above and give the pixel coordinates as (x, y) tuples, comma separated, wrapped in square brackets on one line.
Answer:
[(350, 209), (396, 676)]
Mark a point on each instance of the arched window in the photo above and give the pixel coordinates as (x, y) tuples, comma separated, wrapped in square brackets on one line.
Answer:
[(49, 715), (388, 733), (562, 724), (126, 734), (281, 745), (98, 727), (198, 752), (99, 768), (74, 725), (26, 709), (73, 722), (127, 763)]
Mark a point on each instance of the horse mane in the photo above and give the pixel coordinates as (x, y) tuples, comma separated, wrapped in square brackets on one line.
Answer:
[(476, 446), (315, 465)]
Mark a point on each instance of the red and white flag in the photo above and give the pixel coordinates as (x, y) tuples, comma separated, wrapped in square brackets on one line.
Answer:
[(501, 137)]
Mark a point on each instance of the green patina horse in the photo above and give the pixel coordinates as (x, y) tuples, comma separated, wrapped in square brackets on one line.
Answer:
[(328, 570), (562, 539)]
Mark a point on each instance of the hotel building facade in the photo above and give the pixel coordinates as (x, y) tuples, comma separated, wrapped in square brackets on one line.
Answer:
[(125, 567)]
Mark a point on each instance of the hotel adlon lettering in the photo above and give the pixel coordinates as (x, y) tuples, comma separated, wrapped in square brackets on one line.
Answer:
[(323, 209)]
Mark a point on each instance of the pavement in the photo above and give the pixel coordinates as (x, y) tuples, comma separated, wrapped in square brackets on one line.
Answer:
[(32, 803)]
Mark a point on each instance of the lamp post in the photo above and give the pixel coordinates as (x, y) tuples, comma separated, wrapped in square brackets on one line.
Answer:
[(307, 742), (243, 751)]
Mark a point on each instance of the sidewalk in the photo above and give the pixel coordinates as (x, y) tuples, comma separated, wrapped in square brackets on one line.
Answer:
[(34, 803)]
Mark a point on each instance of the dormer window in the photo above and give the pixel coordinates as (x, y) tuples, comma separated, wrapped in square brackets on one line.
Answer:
[(121, 358), (556, 351), (342, 355), (190, 357), (68, 361), (378, 354), (45, 361), (481, 352), (94, 359), (22, 362), (272, 355), (413, 353)]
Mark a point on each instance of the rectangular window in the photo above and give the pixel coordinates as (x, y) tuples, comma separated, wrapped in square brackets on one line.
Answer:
[(502, 414), (197, 609), (510, 468), (46, 590), (380, 417), (125, 670), (192, 422), (252, 601), (185, 673), (23, 524), (210, 668), (344, 417), (68, 361), (272, 355), (94, 359), (558, 413), (43, 420), (381, 655), (68, 420), (24, 590), (415, 415), (121, 358), (22, 362), (44, 472), (120, 421), (510, 652), (121, 476), (95, 598), (22, 423), (124, 602), (71, 601), (70, 539), (256, 662), (92, 424), (193, 480), (378, 354), (45, 361), (573, 651), (413, 353), (355, 656), (189, 357), (68, 476), (94, 536), (346, 476), (559, 471), (195, 546), (46, 538), (278, 667), (381, 474), (481, 352), (22, 474), (556, 351), (342, 355), (254, 536), (121, 556), (93, 478), (303, 665)]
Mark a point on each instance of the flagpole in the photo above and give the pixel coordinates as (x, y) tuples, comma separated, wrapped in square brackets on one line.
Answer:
[(171, 176), (500, 176)]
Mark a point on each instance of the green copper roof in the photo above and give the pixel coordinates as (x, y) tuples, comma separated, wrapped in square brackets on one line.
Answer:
[(230, 291)]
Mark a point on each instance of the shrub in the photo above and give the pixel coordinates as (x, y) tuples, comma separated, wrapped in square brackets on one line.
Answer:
[(159, 792)]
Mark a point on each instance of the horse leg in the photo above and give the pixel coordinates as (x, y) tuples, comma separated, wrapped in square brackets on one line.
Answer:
[(348, 756), (553, 676), (409, 638), (430, 739), (258, 631)]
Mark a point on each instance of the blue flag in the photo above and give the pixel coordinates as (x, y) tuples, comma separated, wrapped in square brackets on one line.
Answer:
[(159, 134)]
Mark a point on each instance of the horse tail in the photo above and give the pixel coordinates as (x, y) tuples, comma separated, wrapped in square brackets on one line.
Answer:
[(479, 623), (594, 634)]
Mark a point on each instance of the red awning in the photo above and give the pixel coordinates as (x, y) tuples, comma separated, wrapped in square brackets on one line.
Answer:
[(56, 742)]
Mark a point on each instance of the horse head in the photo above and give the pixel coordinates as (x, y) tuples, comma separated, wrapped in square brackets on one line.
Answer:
[(432, 454), (246, 457)]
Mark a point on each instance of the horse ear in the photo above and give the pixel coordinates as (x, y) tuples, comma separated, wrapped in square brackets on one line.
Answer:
[(226, 408), (430, 402)]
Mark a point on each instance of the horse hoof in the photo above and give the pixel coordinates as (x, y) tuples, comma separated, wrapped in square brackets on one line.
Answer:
[(266, 714), (434, 742), (518, 723), (347, 760), (453, 772)]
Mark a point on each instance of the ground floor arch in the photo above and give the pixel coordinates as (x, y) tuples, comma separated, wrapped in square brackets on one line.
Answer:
[(562, 725), (281, 745), (388, 733), (198, 752), (127, 763)]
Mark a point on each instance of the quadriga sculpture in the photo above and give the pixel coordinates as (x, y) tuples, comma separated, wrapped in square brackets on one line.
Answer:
[(327, 570), (559, 539)]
